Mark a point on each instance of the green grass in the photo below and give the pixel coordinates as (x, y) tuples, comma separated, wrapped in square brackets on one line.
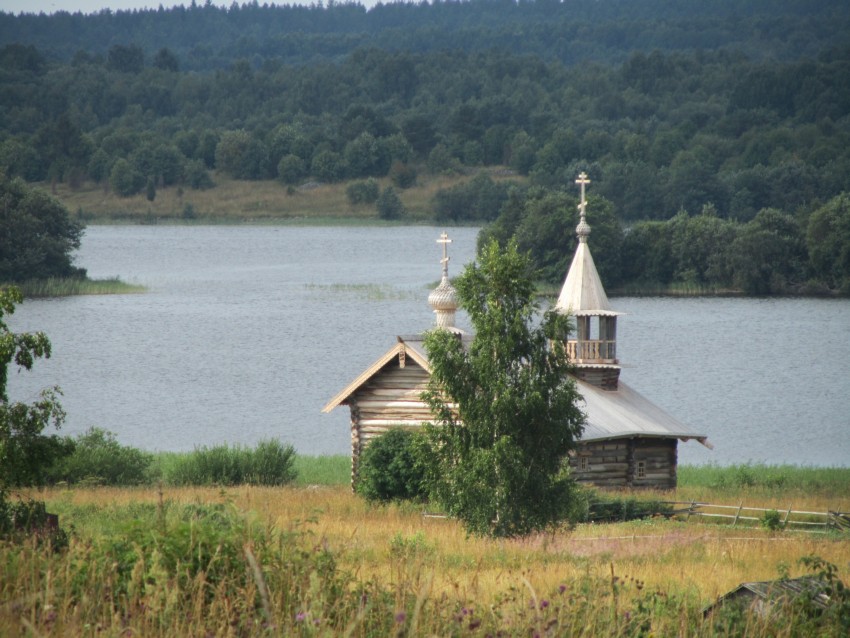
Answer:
[(311, 470), (673, 289), (369, 292), (323, 470), (770, 478), (64, 287)]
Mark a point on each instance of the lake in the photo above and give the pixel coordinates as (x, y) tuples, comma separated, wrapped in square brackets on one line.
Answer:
[(247, 331)]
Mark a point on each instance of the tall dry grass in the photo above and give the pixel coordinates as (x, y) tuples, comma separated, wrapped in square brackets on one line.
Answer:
[(233, 201), (703, 559)]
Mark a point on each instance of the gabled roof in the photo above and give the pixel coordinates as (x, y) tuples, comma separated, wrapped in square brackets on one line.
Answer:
[(582, 292), (624, 413), (401, 349), (775, 592), (611, 414)]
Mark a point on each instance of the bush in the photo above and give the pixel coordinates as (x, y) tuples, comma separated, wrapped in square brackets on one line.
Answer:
[(290, 169), (26, 518), (196, 175), (270, 463), (402, 175), (478, 199), (365, 192), (390, 468), (604, 508), (389, 205), (98, 458)]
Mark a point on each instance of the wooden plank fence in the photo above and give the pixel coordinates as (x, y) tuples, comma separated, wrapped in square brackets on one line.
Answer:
[(789, 518)]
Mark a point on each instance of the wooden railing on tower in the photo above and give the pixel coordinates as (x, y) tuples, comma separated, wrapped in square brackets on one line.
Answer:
[(592, 351)]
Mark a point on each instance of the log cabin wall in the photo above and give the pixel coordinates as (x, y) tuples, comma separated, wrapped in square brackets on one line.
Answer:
[(636, 462), (605, 378), (389, 399), (602, 463), (653, 463)]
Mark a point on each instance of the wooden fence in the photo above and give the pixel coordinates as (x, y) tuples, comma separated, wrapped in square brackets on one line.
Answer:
[(784, 518)]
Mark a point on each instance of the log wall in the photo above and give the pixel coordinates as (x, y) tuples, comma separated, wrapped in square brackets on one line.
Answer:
[(388, 400), (391, 398), (636, 462)]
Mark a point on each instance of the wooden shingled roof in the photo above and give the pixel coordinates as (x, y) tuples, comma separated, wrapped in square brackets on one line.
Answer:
[(582, 292)]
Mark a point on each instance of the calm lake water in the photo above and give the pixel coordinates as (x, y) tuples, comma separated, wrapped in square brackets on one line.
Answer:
[(246, 332)]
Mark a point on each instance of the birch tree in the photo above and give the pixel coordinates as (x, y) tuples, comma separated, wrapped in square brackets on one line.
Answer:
[(505, 409)]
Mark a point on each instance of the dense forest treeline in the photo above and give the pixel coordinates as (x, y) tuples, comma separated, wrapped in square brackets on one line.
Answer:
[(207, 37), (679, 110)]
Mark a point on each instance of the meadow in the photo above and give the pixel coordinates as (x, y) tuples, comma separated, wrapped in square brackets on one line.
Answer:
[(313, 559), (236, 201)]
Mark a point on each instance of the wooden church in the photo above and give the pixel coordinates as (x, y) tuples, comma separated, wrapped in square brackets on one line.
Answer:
[(627, 442)]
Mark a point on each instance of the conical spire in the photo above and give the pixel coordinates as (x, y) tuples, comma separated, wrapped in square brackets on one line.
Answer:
[(443, 298), (582, 292)]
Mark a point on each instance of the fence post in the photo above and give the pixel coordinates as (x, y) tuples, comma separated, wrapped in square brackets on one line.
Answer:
[(787, 514), (738, 513), (690, 510)]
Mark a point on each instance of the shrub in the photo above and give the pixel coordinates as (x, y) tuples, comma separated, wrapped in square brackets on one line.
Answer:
[(389, 205), (478, 199), (402, 175), (98, 458), (390, 468), (604, 508), (290, 169), (772, 520), (363, 192), (270, 463), (26, 518), (196, 175)]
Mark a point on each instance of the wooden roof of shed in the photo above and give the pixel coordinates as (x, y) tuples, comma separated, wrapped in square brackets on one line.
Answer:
[(778, 591)]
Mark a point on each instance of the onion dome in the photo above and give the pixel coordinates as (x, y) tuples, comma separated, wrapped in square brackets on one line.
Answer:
[(443, 299)]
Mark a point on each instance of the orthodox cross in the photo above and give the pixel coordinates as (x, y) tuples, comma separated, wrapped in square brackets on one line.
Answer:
[(582, 181), (444, 240)]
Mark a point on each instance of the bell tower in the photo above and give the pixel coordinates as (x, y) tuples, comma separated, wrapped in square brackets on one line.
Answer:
[(593, 346)]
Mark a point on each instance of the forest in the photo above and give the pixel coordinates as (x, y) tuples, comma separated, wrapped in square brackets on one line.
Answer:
[(717, 134)]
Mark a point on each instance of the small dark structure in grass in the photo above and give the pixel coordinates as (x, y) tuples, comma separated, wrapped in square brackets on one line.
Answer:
[(765, 597)]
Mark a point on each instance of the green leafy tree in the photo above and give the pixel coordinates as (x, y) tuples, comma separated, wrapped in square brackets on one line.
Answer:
[(768, 253), (290, 169), (126, 59), (700, 247), (241, 155), (24, 449), (505, 409), (828, 240), (328, 166), (37, 235), (125, 179)]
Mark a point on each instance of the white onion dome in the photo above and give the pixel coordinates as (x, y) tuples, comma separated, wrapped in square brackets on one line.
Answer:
[(443, 297)]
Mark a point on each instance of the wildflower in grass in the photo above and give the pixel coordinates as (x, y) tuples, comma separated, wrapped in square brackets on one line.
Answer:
[(400, 617), (300, 616), (562, 588), (544, 604)]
